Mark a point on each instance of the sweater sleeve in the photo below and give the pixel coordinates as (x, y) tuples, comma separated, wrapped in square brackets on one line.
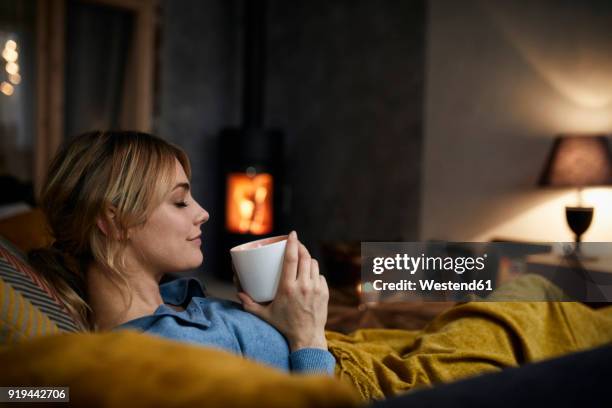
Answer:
[(313, 361)]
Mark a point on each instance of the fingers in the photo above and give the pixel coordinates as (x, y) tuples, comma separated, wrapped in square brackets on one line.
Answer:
[(304, 265), (290, 263), (253, 307), (298, 265), (314, 271), (323, 287)]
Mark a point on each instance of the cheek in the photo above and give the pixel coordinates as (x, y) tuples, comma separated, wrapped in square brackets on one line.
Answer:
[(174, 252), (168, 225), (180, 255), (164, 246)]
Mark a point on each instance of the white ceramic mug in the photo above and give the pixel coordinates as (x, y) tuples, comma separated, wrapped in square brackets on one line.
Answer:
[(259, 265)]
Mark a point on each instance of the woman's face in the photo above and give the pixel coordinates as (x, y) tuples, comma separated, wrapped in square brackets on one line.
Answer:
[(170, 239)]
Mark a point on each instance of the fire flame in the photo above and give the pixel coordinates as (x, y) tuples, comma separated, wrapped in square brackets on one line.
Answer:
[(249, 203)]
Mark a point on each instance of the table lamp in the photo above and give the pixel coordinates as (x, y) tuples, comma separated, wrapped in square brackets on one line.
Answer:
[(578, 161)]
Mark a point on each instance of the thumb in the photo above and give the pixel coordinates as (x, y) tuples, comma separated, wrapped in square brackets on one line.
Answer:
[(251, 306)]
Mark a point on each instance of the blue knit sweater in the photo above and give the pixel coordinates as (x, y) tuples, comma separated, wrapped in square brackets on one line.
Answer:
[(224, 324)]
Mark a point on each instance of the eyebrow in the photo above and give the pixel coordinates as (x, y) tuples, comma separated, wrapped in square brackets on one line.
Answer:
[(183, 185)]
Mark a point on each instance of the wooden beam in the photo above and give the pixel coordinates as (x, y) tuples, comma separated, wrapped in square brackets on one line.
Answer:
[(50, 50)]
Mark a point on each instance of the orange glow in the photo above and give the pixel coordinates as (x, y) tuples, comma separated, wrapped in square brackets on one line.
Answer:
[(6, 88), (248, 204), (546, 222)]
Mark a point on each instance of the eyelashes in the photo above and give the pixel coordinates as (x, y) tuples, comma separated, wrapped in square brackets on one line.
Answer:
[(182, 204)]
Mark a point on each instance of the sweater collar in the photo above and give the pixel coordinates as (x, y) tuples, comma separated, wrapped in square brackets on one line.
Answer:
[(175, 292), (180, 290)]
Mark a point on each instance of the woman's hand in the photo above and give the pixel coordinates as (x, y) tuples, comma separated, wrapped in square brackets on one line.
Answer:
[(299, 310)]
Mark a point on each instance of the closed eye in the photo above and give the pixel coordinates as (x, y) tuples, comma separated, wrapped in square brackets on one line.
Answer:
[(182, 204)]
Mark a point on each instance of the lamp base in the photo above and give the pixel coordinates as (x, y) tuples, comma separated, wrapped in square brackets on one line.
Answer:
[(570, 254)]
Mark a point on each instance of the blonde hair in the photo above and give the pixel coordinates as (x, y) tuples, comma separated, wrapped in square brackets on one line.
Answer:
[(131, 171)]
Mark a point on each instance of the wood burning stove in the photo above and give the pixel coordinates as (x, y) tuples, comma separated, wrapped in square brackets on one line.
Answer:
[(251, 158), (251, 178)]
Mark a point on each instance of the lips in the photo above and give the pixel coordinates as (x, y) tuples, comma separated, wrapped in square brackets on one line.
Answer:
[(194, 238)]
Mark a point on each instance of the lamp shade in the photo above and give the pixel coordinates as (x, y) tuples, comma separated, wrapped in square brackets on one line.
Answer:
[(578, 161)]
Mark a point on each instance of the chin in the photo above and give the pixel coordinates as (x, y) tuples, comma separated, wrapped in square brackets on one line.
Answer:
[(197, 261), (188, 262), (186, 266)]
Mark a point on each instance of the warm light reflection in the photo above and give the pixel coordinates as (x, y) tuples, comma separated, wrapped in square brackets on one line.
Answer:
[(15, 79), (577, 67), (585, 86), (572, 60), (249, 203), (546, 222), (6, 88), (12, 68), (579, 120), (10, 55)]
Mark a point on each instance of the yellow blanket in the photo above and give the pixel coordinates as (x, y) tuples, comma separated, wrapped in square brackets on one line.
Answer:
[(469, 339)]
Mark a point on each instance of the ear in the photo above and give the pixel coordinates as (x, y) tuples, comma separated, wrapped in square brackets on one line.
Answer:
[(106, 222)]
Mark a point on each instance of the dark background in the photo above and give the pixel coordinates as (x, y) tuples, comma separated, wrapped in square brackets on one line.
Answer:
[(344, 81)]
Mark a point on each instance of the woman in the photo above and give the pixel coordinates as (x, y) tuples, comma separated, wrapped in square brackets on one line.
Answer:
[(119, 205), (120, 208)]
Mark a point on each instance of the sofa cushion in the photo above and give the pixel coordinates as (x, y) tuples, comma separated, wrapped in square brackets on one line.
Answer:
[(19, 318), (26, 230), (22, 290)]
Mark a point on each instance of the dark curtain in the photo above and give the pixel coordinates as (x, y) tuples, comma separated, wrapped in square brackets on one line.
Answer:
[(98, 39)]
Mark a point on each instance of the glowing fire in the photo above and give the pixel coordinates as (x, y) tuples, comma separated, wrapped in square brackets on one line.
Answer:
[(249, 203)]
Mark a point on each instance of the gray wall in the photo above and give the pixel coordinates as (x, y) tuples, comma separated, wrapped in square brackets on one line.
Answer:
[(345, 81), (503, 78)]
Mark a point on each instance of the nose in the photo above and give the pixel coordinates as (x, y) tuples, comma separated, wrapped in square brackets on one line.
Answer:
[(203, 216)]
